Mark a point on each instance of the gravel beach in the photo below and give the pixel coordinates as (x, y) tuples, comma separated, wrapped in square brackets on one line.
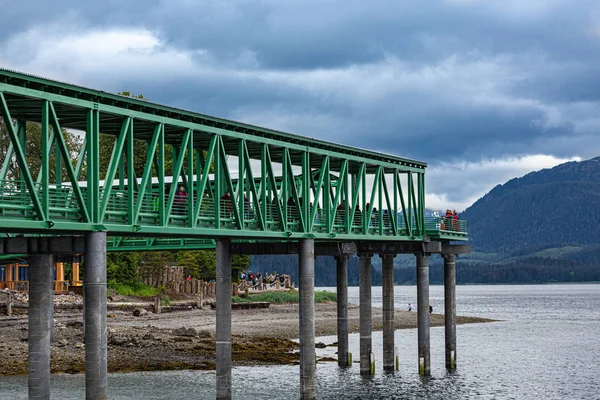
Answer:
[(185, 339)]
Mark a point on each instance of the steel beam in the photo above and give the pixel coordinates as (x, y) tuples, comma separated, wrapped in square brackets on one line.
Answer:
[(41, 313), (320, 249), (279, 208), (399, 247), (94, 286), (448, 248), (223, 319), (42, 245)]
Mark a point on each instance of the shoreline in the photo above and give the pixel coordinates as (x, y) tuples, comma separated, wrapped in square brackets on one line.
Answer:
[(185, 339)]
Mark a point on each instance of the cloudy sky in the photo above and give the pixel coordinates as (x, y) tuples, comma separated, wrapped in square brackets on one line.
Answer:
[(482, 90)]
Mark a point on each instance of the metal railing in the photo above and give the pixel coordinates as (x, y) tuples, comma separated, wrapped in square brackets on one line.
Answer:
[(448, 226), (16, 202)]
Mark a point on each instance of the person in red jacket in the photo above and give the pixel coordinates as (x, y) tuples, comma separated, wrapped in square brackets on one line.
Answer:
[(226, 201), (446, 223), (180, 200), (455, 224)]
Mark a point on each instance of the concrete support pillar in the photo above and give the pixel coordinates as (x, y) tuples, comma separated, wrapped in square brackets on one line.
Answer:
[(95, 316), (450, 309), (342, 309), (423, 314), (365, 314), (308, 367), (387, 279), (41, 312), (223, 288)]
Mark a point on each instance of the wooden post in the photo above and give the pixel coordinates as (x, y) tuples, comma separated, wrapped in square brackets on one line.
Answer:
[(9, 305), (157, 305), (75, 274), (60, 276), (9, 275)]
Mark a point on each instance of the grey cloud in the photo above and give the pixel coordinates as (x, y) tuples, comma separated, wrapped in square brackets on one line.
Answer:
[(548, 60)]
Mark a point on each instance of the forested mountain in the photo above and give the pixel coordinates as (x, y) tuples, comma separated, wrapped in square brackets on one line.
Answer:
[(541, 228), (552, 208)]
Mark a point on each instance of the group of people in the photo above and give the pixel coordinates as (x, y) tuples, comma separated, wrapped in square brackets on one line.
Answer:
[(410, 308), (260, 281), (450, 221)]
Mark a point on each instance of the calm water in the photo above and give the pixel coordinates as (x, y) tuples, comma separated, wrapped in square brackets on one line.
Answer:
[(546, 347)]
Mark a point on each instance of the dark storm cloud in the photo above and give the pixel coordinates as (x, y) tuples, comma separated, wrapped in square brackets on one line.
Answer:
[(438, 81)]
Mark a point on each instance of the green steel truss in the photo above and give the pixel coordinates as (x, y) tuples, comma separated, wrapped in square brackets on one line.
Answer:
[(241, 181)]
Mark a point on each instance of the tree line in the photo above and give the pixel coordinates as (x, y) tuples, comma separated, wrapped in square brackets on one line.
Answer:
[(531, 270)]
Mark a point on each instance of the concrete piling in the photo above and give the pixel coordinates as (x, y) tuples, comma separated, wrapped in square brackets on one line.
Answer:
[(423, 314), (450, 309), (223, 319), (41, 312), (342, 309), (157, 307), (307, 319), (94, 278), (387, 280), (365, 313)]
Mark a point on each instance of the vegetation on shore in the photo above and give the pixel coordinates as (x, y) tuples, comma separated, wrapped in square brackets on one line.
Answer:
[(134, 289), (291, 296)]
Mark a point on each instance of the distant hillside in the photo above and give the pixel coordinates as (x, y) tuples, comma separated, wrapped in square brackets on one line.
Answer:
[(557, 208)]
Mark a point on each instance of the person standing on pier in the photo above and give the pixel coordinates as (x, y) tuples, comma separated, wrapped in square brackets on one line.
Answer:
[(180, 200)]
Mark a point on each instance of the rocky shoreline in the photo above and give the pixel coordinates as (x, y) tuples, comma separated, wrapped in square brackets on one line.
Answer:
[(185, 339)]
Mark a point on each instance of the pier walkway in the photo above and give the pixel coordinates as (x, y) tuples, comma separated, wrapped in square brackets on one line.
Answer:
[(153, 177)]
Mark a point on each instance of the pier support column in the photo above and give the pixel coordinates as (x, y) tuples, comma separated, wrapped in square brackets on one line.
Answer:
[(365, 314), (387, 280), (306, 287), (94, 277), (41, 313), (342, 309), (423, 313), (223, 319), (450, 309)]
